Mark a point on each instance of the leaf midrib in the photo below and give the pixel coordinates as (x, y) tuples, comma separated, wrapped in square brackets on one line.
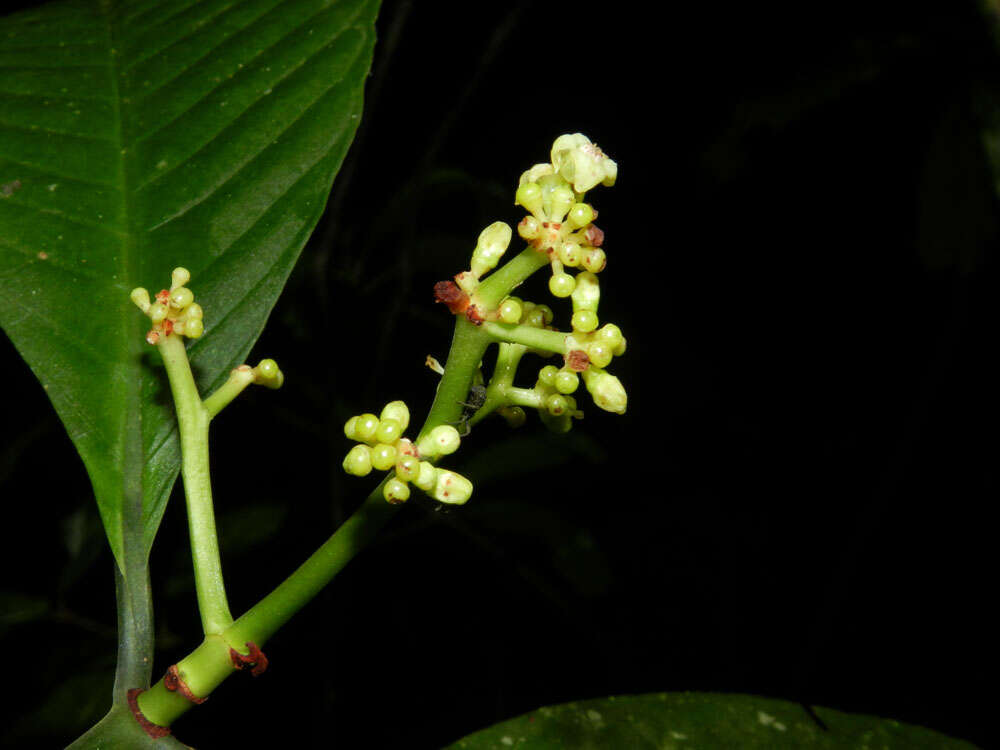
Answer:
[(126, 389)]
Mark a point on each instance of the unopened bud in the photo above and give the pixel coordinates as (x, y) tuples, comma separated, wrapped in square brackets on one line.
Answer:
[(452, 488), (606, 390), (492, 244)]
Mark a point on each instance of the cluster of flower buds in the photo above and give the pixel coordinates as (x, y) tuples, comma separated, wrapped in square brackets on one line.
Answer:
[(174, 310), (381, 446), (558, 407), (266, 373), (560, 224), (591, 349)]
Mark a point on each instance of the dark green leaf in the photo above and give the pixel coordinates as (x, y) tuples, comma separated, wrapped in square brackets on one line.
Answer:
[(675, 721), (139, 136)]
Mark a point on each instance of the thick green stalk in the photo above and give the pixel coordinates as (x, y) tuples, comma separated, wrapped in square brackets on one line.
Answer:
[(192, 421), (501, 282), (536, 338)]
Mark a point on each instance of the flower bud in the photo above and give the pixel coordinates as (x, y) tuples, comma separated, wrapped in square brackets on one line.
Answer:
[(587, 293), (358, 461), (141, 298), (606, 390), (383, 456), (510, 310), (194, 328), (492, 243), (529, 228), (181, 297), (580, 215), (365, 428), (452, 488), (179, 277), (441, 441), (427, 476), (394, 491), (513, 415), (529, 195), (399, 411)]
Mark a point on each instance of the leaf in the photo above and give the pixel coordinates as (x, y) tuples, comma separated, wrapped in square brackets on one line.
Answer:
[(675, 721), (139, 136), (118, 729)]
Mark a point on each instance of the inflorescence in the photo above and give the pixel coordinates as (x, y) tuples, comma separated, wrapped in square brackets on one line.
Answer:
[(382, 446), (560, 228)]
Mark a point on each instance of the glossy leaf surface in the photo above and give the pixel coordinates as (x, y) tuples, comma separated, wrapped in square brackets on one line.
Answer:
[(139, 136), (674, 721)]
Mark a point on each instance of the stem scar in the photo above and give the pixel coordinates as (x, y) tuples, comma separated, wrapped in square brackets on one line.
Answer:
[(172, 681), (255, 661), (153, 730)]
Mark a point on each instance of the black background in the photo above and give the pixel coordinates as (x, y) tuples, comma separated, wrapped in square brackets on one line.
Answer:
[(801, 251)]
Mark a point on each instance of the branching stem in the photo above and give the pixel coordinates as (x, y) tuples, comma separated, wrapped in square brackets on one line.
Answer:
[(192, 421)]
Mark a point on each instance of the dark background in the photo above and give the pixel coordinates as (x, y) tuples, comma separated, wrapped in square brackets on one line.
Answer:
[(801, 251)]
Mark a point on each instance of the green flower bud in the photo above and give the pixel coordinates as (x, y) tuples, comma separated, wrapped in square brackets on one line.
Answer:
[(560, 201), (157, 312), (394, 491), (510, 310), (556, 404), (584, 321), (547, 314), (529, 228), (467, 281), (492, 244), (594, 260), (514, 416), (566, 381), (570, 254), (427, 476), (529, 195), (399, 411), (194, 312), (610, 334), (351, 428), (365, 428), (561, 284), (534, 317), (358, 461), (606, 390), (580, 215), (267, 369), (452, 488), (547, 374), (389, 431), (267, 373), (441, 441), (181, 297), (582, 163), (407, 467), (383, 456), (600, 354), (141, 298), (587, 294), (179, 277), (558, 424), (193, 328)]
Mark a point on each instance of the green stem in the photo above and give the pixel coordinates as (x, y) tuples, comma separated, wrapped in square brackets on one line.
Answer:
[(192, 422), (536, 338), (501, 282), (238, 380), (209, 664)]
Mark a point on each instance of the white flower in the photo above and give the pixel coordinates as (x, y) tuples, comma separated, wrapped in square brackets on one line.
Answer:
[(582, 163)]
